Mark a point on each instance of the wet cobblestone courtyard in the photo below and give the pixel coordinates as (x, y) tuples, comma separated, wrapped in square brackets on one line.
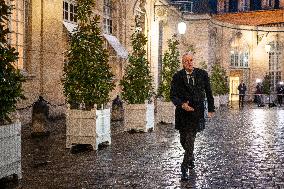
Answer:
[(238, 149)]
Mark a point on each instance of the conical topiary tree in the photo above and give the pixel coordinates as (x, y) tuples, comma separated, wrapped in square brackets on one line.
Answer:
[(170, 65), (266, 84), (219, 80), (10, 77), (137, 81), (88, 78)]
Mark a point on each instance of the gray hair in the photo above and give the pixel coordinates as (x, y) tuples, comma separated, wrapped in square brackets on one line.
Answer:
[(188, 53)]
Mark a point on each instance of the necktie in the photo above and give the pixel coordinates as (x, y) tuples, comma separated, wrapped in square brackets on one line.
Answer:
[(190, 79)]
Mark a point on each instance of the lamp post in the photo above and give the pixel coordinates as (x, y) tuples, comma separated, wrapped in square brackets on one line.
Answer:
[(267, 50)]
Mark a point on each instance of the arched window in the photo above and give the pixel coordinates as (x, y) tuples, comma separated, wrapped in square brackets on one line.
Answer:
[(274, 64)]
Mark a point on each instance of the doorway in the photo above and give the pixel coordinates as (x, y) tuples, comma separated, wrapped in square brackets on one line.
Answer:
[(234, 83)]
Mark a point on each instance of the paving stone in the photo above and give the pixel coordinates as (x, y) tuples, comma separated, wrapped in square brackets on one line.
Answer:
[(238, 149)]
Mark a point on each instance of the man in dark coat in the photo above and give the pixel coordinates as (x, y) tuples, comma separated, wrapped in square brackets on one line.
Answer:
[(189, 88), (242, 92)]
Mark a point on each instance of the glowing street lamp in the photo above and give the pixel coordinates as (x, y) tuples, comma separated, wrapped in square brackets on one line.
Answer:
[(181, 27), (258, 81)]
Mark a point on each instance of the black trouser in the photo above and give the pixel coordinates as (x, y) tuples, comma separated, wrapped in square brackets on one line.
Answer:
[(241, 99), (187, 138), (279, 96)]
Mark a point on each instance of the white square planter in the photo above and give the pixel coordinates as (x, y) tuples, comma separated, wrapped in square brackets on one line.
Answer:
[(139, 117), (165, 112), (224, 100), (87, 127), (217, 101), (10, 150)]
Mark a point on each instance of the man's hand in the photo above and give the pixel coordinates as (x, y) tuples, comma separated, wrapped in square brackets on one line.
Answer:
[(186, 107), (210, 114)]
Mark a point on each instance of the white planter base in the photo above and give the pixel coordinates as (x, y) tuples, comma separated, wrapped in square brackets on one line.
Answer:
[(224, 100), (217, 102), (87, 127), (139, 117), (165, 112), (10, 150)]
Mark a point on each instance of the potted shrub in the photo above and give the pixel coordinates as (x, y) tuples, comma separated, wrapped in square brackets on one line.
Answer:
[(10, 92), (87, 82), (170, 65), (137, 89), (267, 90), (220, 87)]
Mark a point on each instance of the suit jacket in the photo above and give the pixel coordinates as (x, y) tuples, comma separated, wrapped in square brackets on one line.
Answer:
[(242, 88), (182, 91)]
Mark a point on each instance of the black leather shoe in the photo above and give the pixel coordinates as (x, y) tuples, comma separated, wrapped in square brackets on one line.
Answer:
[(184, 175)]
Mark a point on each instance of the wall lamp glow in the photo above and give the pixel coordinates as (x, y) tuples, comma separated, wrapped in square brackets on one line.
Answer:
[(267, 48), (258, 81), (181, 27)]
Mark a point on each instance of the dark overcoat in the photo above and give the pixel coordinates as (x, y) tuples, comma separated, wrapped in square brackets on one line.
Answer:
[(195, 93)]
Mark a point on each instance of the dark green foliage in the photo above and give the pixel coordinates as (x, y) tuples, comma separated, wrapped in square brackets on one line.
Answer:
[(219, 80), (137, 81), (10, 77), (203, 65), (170, 65), (266, 84), (88, 77)]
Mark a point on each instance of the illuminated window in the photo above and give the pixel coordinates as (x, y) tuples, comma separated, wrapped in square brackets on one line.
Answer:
[(69, 11), (274, 64), (107, 17), (239, 58), (16, 26)]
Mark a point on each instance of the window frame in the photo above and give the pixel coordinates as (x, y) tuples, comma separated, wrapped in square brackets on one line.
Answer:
[(107, 17), (16, 25), (274, 64), (239, 58), (68, 14)]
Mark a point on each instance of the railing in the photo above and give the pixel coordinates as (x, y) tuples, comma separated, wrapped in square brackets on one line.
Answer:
[(269, 99)]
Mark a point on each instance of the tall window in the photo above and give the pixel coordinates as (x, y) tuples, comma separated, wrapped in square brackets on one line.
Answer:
[(239, 59), (245, 5), (69, 11), (239, 53), (226, 6), (107, 17), (274, 64), (16, 26)]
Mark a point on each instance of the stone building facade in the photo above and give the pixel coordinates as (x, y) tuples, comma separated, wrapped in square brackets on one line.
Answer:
[(41, 30), (252, 46)]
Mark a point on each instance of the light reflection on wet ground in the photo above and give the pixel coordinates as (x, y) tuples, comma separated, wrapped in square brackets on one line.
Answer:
[(239, 149)]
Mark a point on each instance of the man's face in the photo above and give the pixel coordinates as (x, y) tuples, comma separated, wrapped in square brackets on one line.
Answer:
[(187, 62)]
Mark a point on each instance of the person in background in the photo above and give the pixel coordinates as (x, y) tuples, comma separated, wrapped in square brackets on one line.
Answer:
[(242, 92), (280, 93), (189, 87), (258, 94)]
